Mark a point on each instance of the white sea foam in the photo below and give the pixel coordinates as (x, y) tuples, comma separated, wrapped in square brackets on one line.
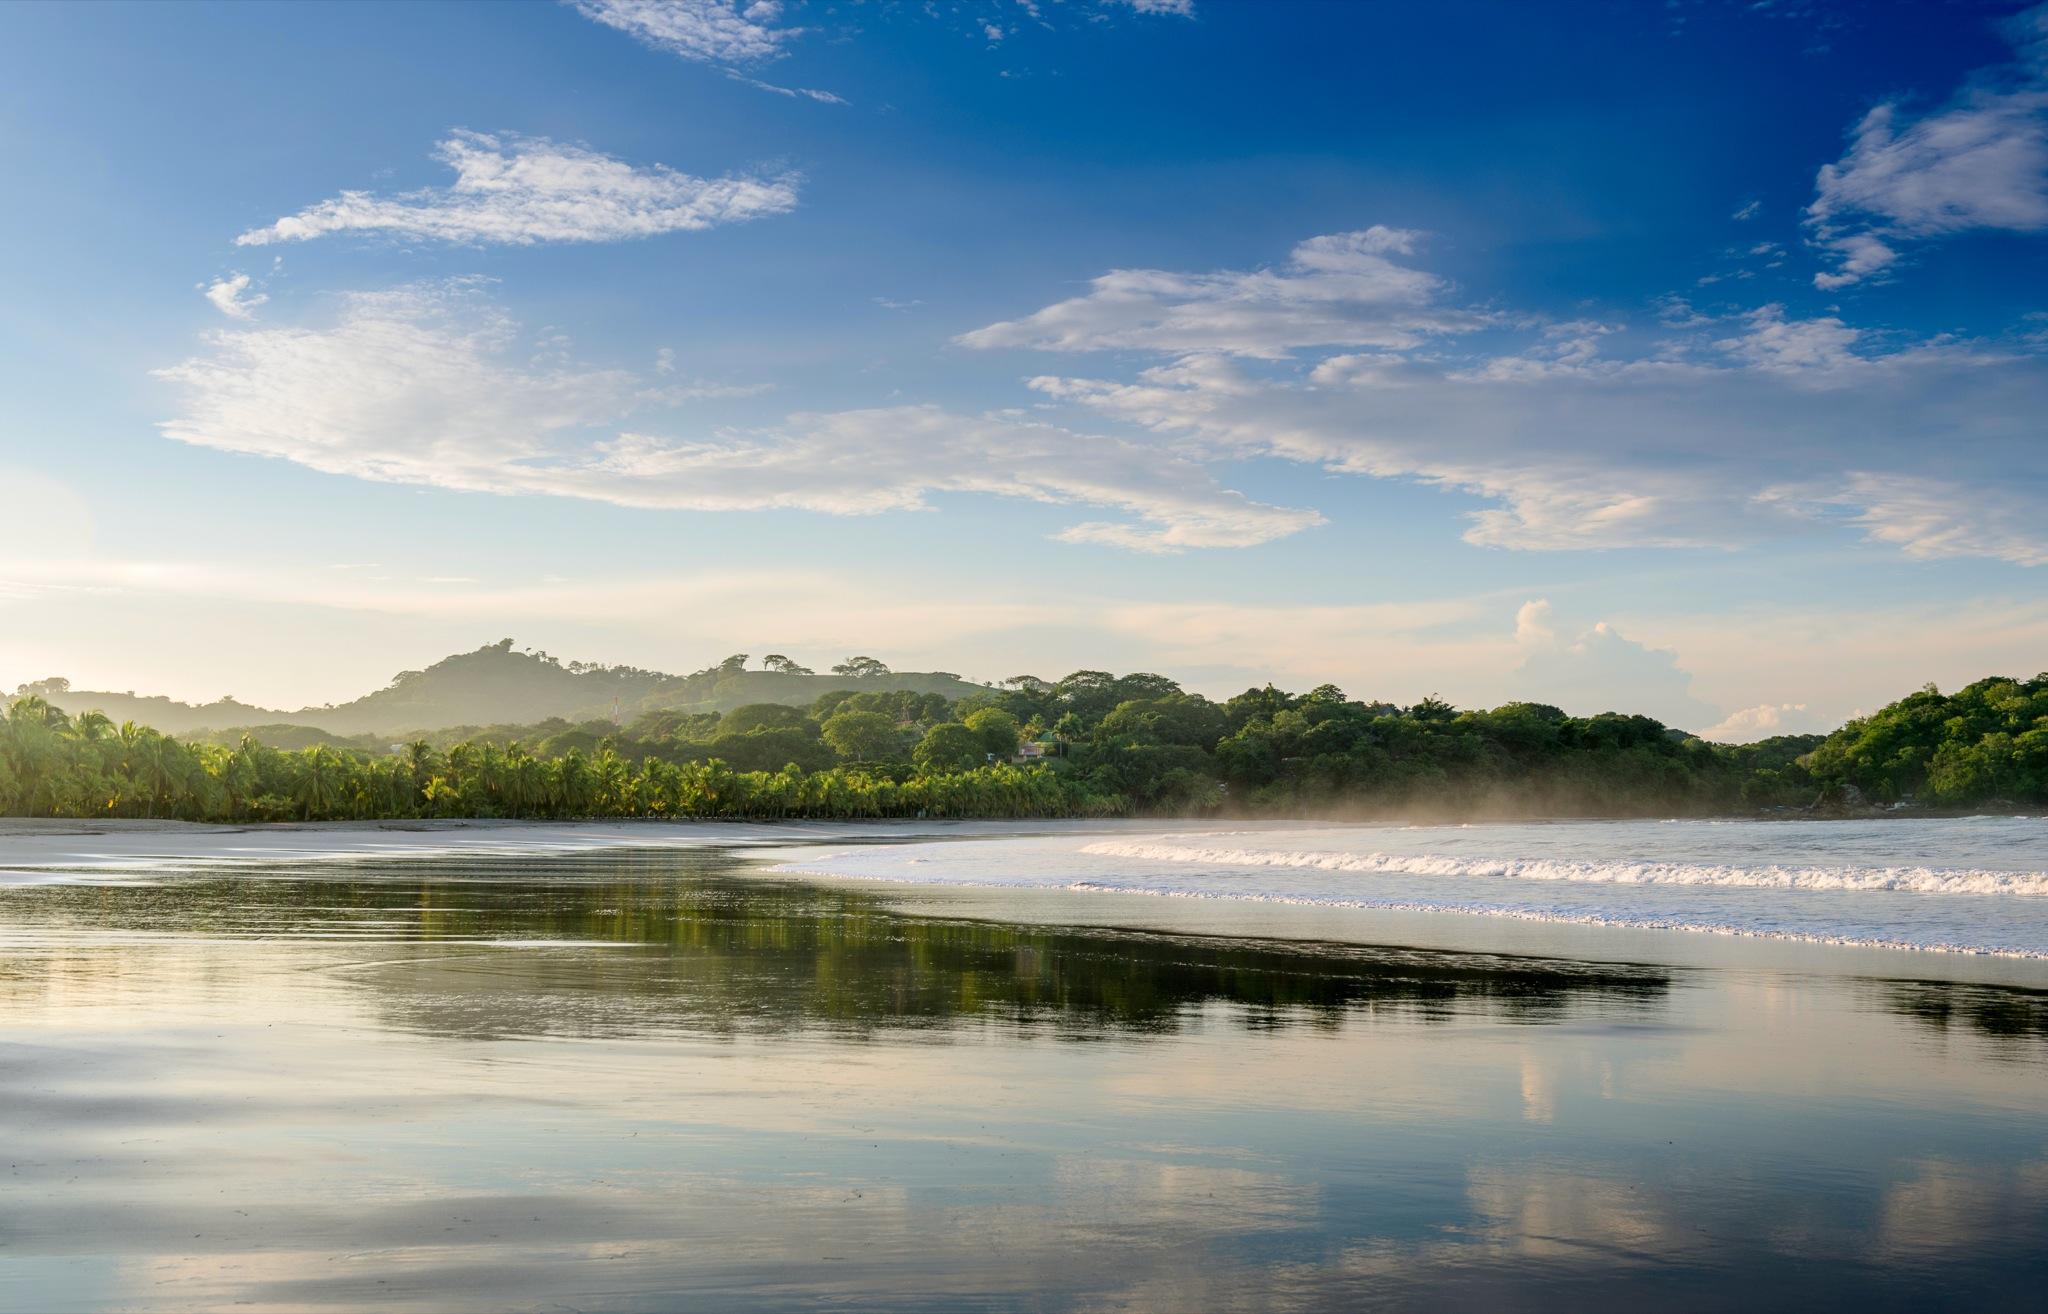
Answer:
[(1943, 885), (856, 867), (1562, 917), (1910, 880)]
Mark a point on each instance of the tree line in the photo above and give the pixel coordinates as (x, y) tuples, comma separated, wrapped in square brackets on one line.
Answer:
[(1091, 744)]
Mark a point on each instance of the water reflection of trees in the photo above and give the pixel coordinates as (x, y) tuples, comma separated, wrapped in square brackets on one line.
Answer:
[(617, 944), (2006, 1013)]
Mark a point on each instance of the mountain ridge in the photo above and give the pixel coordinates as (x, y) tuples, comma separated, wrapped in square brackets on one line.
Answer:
[(498, 684)]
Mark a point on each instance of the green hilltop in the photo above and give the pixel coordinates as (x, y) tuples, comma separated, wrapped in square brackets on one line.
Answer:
[(500, 685)]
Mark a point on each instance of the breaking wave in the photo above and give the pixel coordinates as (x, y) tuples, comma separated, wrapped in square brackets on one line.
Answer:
[(1908, 880)]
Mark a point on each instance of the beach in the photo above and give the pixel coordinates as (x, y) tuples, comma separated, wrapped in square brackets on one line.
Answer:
[(955, 1066)]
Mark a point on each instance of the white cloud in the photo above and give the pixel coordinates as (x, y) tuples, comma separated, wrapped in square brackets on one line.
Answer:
[(1792, 346), (1631, 454), (1765, 721), (523, 190), (708, 31), (1980, 162), (1601, 671), (733, 35), (805, 93), (1587, 435), (1533, 625), (1930, 518), (1564, 350), (1344, 289), (231, 297), (891, 459), (1368, 369), (423, 385), (1749, 210), (1523, 441)]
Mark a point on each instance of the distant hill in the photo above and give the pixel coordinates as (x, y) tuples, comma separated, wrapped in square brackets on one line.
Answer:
[(286, 737), (157, 712), (696, 693), (497, 685)]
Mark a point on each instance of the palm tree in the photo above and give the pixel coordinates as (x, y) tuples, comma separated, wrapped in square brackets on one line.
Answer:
[(613, 778), (420, 765), (160, 766), (34, 733), (319, 781), (575, 785)]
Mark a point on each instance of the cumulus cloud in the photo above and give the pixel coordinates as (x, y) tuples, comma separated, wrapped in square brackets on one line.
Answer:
[(1765, 721), (231, 296), (1581, 434), (425, 385), (523, 190), (1533, 628), (1600, 670), (1979, 162), (1345, 289), (1182, 8)]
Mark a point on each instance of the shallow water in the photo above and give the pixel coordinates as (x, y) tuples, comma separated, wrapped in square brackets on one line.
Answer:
[(653, 1080), (1974, 885)]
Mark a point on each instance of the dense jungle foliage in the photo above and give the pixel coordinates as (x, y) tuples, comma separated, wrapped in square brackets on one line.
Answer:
[(1092, 744)]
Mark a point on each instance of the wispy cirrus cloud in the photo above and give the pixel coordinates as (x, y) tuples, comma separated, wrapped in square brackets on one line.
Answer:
[(731, 35), (739, 37), (1979, 162), (1345, 289), (424, 385), (709, 31), (519, 191), (1930, 518)]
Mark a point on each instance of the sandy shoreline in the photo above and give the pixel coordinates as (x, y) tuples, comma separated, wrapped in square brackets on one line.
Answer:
[(37, 845), (45, 851)]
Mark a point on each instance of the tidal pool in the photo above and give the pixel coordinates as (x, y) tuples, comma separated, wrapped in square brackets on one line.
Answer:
[(661, 1079)]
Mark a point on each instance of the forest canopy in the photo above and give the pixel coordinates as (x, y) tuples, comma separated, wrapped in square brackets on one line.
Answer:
[(1091, 744)]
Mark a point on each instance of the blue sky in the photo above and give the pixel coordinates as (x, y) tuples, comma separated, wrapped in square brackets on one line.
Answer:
[(1683, 358)]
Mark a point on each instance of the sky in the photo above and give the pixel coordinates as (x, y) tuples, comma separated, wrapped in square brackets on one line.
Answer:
[(1688, 359)]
